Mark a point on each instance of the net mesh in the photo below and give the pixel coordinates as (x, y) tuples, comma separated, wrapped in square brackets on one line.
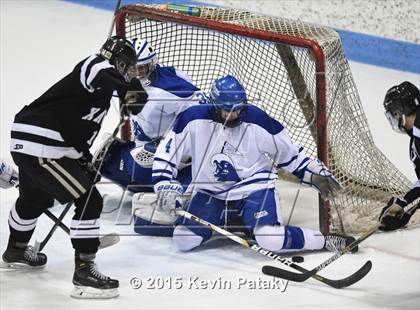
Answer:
[(282, 79)]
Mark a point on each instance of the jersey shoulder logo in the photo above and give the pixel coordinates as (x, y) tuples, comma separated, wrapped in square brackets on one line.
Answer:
[(224, 169)]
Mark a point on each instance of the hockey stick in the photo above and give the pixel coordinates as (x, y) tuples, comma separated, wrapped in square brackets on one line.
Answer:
[(280, 273), (57, 222), (38, 246), (104, 241), (117, 6), (300, 277), (355, 277)]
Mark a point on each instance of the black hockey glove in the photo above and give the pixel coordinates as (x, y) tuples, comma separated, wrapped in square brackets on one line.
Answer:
[(86, 163), (135, 98), (393, 216)]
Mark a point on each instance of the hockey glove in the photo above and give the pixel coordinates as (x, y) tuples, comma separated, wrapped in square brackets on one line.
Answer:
[(144, 155), (167, 193), (393, 216), (135, 98), (88, 167), (318, 176), (8, 175)]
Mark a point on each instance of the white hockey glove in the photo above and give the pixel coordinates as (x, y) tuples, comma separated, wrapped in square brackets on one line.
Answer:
[(167, 194), (144, 207), (9, 177), (144, 155), (318, 176)]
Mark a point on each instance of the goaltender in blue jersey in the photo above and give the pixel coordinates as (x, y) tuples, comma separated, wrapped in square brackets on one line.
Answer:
[(233, 146)]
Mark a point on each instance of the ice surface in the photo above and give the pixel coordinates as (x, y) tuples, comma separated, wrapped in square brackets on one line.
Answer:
[(40, 42)]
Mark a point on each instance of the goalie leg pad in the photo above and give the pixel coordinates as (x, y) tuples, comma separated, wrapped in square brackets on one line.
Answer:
[(185, 240), (287, 238), (150, 220), (207, 208)]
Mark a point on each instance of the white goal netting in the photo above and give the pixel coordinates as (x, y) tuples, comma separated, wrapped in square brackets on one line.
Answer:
[(298, 73)]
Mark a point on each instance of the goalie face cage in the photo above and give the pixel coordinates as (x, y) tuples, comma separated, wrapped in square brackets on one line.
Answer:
[(297, 72)]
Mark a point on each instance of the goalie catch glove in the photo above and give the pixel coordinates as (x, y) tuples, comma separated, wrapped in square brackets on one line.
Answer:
[(9, 177), (393, 216), (316, 175), (144, 155), (167, 194)]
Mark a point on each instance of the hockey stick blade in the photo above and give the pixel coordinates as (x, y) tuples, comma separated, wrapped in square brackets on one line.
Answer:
[(333, 283), (296, 277), (287, 275), (108, 240)]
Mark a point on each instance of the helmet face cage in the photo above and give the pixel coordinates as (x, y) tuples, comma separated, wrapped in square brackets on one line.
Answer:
[(146, 58), (401, 101), (397, 121)]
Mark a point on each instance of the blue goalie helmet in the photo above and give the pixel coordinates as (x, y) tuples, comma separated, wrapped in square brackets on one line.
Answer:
[(227, 94), (400, 101)]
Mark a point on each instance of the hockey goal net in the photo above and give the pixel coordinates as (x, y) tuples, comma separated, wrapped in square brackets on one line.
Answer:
[(298, 73)]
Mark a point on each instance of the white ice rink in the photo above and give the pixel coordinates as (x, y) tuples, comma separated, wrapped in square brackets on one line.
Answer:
[(41, 41)]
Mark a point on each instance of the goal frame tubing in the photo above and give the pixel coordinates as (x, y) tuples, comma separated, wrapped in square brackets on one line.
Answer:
[(321, 98)]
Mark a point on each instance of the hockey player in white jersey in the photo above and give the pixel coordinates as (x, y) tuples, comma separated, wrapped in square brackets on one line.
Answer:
[(233, 145), (129, 164), (169, 92), (9, 177)]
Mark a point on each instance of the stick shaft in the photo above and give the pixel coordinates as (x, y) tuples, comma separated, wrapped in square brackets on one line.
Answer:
[(255, 248), (117, 6)]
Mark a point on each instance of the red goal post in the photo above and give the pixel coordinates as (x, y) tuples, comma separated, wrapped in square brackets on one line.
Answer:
[(301, 76)]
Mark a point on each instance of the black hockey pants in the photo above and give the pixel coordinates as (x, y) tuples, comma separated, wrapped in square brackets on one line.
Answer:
[(42, 180)]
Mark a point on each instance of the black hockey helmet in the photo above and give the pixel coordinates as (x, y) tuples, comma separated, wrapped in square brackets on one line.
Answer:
[(400, 101), (119, 49)]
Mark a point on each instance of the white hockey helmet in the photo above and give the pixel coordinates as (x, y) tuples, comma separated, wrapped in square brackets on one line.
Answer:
[(146, 57)]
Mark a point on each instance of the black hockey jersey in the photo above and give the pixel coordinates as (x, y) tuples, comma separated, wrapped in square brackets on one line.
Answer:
[(414, 193), (66, 119)]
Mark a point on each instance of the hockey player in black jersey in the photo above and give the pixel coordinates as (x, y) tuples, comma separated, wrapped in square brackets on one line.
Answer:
[(50, 141), (402, 109)]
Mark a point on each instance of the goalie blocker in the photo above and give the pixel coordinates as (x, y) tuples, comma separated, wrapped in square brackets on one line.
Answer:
[(149, 219)]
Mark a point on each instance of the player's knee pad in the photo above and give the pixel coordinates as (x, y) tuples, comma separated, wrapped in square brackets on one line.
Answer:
[(89, 205), (114, 161), (150, 220), (185, 240), (34, 205)]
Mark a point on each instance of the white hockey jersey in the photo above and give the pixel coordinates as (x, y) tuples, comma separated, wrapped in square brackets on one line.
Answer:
[(169, 93), (228, 163)]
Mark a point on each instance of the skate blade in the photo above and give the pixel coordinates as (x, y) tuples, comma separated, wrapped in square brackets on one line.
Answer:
[(87, 292), (19, 266)]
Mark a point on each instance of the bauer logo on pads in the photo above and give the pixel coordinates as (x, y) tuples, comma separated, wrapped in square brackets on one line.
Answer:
[(260, 214)]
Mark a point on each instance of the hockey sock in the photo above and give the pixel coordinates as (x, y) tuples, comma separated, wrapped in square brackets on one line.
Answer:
[(287, 238), (86, 257), (15, 244)]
